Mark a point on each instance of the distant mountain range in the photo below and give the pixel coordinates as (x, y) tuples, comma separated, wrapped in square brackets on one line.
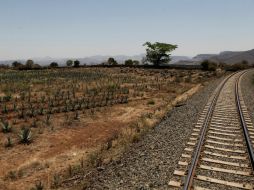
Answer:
[(227, 57)]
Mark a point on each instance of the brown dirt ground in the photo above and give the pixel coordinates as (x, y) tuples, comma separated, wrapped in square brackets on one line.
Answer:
[(63, 145)]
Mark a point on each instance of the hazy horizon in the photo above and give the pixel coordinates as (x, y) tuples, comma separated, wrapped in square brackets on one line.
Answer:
[(72, 29)]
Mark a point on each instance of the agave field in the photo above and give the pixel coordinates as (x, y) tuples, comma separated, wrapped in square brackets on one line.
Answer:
[(49, 118)]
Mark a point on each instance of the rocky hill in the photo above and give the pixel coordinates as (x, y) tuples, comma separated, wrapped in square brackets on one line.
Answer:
[(228, 57)]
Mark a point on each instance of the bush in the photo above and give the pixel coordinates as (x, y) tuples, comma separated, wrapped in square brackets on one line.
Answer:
[(222, 65), (136, 62), (53, 64), (25, 136), (151, 102), (238, 66), (76, 63), (69, 63), (209, 65), (128, 62), (7, 98), (38, 186), (17, 64), (6, 127), (112, 61)]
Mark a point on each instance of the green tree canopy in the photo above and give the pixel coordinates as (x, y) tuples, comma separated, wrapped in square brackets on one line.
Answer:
[(69, 63), (76, 63), (29, 64), (136, 62), (112, 61), (129, 62), (16, 64), (158, 53), (53, 64)]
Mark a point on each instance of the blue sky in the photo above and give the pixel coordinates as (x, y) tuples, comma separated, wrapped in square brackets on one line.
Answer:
[(79, 28)]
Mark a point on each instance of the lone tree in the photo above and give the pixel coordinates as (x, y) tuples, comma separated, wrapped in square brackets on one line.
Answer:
[(208, 65), (112, 61), (158, 53), (16, 64), (136, 62), (129, 62), (29, 64), (53, 64), (76, 63), (69, 63)]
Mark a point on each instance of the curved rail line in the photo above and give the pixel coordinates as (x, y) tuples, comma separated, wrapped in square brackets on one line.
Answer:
[(217, 134), (244, 125), (194, 163)]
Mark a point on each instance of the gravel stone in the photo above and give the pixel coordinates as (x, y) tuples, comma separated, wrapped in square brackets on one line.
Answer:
[(247, 86), (150, 163)]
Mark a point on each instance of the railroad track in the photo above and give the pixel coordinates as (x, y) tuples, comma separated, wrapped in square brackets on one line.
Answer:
[(219, 153)]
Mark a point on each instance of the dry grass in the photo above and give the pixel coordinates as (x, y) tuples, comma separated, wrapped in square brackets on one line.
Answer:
[(132, 133), (69, 146)]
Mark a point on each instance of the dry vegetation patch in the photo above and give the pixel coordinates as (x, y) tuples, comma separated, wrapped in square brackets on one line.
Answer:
[(57, 123)]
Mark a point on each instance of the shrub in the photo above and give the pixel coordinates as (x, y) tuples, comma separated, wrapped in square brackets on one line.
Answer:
[(7, 98), (5, 109), (6, 127), (25, 135), (136, 62), (53, 64), (69, 63), (76, 63), (12, 175), (95, 158), (151, 102), (238, 66), (76, 116), (209, 65), (38, 186), (128, 62), (21, 114), (56, 181), (222, 65), (16, 64), (112, 61), (47, 120), (29, 64)]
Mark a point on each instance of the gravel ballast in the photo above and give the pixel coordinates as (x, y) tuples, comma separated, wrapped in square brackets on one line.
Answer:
[(150, 163), (247, 86)]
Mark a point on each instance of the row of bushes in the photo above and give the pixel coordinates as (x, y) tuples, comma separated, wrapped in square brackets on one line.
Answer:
[(30, 65), (213, 66), (207, 65)]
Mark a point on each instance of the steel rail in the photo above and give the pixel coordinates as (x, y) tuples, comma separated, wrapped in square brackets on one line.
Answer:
[(192, 168), (243, 123)]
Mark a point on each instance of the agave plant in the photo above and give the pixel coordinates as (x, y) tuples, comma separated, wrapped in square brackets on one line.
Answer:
[(5, 109), (21, 114), (76, 117), (47, 119), (41, 111), (14, 107), (38, 186), (7, 98), (6, 127), (25, 135)]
